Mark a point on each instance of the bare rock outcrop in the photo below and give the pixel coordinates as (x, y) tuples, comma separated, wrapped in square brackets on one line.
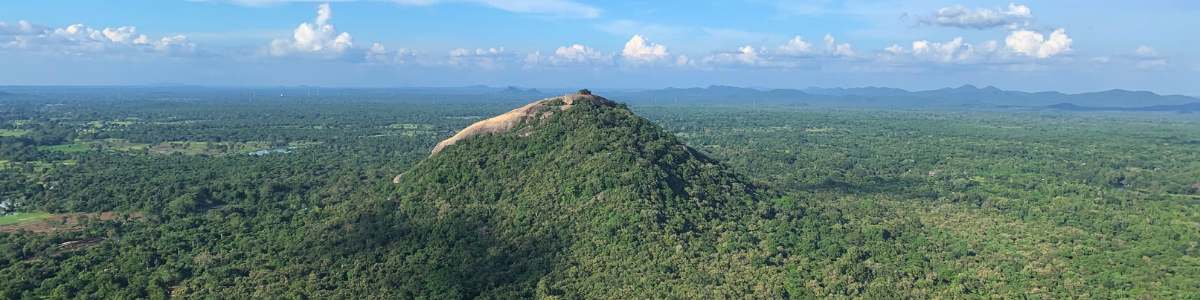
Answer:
[(505, 122)]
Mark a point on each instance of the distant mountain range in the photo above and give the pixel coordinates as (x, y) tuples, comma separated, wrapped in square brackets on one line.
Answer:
[(964, 96), (867, 91)]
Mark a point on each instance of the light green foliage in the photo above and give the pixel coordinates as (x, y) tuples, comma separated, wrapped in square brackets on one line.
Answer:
[(19, 217)]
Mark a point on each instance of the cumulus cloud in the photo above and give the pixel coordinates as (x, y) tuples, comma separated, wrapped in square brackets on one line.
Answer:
[(381, 55), (796, 46), (575, 55), (836, 49), (792, 54), (1037, 45), (492, 58), (747, 56), (556, 8), (683, 61), (318, 40), (953, 52), (979, 18), (639, 50), (78, 40)]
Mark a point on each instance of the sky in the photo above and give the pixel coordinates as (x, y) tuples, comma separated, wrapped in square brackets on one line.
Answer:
[(1063, 45)]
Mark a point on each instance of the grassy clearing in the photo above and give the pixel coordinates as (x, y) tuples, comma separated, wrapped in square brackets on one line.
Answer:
[(68, 148), (13, 132), (102, 124), (18, 218), (411, 126)]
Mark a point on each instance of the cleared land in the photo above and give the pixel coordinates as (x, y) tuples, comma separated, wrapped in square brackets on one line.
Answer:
[(44, 222)]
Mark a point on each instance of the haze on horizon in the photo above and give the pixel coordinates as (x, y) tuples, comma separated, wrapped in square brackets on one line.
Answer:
[(1069, 46)]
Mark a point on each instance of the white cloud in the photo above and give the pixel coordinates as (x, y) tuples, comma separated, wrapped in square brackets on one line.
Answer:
[(22, 28), (492, 58), (581, 54), (1035, 44), (380, 55), (796, 46), (794, 53), (78, 40), (836, 49), (953, 52), (979, 18), (684, 62), (639, 50), (556, 8), (747, 56), (1146, 51), (174, 45), (319, 40), (575, 55)]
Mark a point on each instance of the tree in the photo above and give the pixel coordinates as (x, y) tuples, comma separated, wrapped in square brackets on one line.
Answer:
[(585, 92)]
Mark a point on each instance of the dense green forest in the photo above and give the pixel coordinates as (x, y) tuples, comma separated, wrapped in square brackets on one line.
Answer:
[(730, 201)]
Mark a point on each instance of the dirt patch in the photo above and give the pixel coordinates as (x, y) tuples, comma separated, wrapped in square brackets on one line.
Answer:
[(505, 122), (55, 223)]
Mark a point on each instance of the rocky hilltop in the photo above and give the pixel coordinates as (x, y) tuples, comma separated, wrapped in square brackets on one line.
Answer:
[(505, 122)]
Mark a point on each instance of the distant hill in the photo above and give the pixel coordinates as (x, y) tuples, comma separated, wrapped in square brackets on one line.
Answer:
[(966, 96), (867, 91), (512, 90), (717, 94), (1112, 98), (1184, 108)]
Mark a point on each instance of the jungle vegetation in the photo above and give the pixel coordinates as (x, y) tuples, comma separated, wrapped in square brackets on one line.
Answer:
[(659, 201)]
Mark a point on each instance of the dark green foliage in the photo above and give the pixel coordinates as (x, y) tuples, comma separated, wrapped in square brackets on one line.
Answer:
[(595, 202)]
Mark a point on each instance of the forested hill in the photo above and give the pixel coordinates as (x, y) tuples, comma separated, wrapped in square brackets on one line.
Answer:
[(596, 202), (592, 202)]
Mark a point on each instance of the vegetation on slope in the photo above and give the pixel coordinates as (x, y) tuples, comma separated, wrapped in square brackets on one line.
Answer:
[(833, 203)]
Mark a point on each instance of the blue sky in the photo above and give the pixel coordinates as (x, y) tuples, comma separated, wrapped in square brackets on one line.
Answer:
[(1066, 45)]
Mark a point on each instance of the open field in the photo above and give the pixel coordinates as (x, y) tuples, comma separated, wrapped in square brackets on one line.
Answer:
[(66, 148), (13, 132), (18, 218), (45, 222)]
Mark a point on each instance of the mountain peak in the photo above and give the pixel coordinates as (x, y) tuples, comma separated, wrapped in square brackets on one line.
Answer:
[(541, 109)]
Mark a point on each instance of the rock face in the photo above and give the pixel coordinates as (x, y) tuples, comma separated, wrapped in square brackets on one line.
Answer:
[(505, 122)]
